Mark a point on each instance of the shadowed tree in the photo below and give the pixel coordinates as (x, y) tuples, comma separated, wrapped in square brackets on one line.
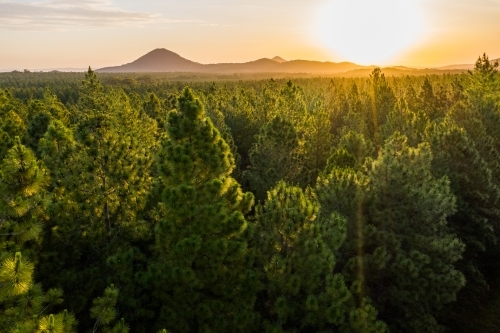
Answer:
[(203, 275), (298, 253), (274, 157)]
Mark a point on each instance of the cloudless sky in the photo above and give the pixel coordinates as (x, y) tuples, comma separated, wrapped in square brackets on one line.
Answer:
[(77, 33)]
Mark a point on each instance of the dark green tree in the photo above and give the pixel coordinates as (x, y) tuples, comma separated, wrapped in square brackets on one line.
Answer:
[(399, 246), (275, 156), (298, 253), (153, 107), (104, 312), (383, 101), (476, 221), (203, 274), (408, 250), (318, 139), (101, 181), (292, 103), (11, 126)]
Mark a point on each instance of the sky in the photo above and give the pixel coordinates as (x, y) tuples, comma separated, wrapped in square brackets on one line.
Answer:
[(45, 34)]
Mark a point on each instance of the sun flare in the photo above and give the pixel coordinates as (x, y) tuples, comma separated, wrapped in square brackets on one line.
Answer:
[(368, 31)]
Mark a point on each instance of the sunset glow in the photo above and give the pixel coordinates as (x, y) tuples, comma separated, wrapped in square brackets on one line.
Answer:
[(369, 32), (47, 34)]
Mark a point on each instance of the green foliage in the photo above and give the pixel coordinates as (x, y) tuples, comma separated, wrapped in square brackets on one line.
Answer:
[(274, 157), (213, 111), (406, 122), (23, 203), (11, 126), (101, 182), (318, 138), (104, 312), (23, 199), (405, 170), (297, 252), (200, 238), (406, 244), (352, 151), (383, 102), (483, 84), (475, 221), (154, 108)]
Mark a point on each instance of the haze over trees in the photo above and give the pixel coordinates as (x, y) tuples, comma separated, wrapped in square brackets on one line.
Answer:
[(137, 204)]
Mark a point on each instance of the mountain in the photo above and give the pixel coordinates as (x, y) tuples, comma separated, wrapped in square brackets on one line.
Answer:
[(463, 66), (159, 60), (278, 59), (162, 60)]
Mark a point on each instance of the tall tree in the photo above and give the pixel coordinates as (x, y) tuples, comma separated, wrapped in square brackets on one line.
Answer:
[(476, 221), (318, 138), (24, 307), (400, 247), (203, 273), (408, 247), (298, 253), (275, 156), (383, 102), (101, 182), (483, 84)]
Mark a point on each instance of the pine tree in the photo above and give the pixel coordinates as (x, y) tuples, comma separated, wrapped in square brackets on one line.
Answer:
[(291, 102), (298, 253), (398, 242), (408, 251), (213, 108), (11, 126), (356, 145), (352, 115), (244, 121), (23, 199), (411, 124), (154, 109), (427, 99), (318, 138), (477, 216), (274, 157), (202, 275), (483, 84), (104, 313), (383, 101), (38, 122), (91, 93), (55, 108), (472, 120), (483, 94), (23, 203), (101, 181)]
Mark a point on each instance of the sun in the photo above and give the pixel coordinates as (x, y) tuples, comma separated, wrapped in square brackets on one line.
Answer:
[(368, 31)]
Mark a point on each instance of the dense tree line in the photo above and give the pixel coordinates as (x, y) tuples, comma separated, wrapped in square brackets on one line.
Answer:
[(318, 205)]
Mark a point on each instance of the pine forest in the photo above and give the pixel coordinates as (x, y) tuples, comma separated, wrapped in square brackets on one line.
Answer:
[(143, 203)]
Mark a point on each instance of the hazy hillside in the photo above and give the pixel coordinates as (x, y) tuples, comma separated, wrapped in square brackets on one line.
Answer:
[(462, 66), (278, 59), (159, 60), (162, 60)]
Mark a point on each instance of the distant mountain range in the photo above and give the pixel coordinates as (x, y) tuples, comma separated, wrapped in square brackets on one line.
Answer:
[(463, 66), (278, 59), (162, 60)]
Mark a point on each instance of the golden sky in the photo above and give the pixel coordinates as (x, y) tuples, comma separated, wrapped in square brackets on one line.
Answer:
[(45, 34)]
